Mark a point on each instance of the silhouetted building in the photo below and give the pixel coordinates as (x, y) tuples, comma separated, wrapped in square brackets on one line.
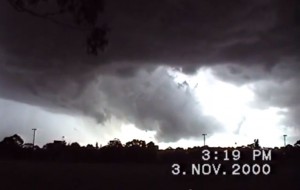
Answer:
[(55, 145)]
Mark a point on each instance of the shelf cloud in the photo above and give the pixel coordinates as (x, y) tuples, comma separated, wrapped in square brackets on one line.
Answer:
[(243, 42)]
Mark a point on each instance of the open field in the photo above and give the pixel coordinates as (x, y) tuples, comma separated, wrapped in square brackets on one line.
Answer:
[(85, 176)]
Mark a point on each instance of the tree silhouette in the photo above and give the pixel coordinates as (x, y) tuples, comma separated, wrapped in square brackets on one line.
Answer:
[(75, 145), (297, 144), (136, 143), (11, 146), (116, 143), (254, 145), (152, 146), (15, 141), (90, 147), (84, 14), (135, 151)]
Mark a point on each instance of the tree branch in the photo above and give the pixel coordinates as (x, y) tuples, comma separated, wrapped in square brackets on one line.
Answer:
[(47, 16)]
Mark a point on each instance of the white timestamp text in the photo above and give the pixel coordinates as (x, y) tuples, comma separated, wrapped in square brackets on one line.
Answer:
[(217, 169)]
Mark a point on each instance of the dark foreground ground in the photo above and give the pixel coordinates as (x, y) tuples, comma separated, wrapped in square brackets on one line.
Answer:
[(23, 175)]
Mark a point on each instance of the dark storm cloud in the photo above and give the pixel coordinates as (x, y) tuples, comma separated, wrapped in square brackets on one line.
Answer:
[(47, 65), (240, 74), (155, 32), (246, 32)]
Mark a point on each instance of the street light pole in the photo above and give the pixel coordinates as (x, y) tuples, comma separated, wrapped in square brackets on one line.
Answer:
[(204, 138), (33, 140), (284, 139)]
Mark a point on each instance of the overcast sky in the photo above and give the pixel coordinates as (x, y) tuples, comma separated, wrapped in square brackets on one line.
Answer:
[(168, 67)]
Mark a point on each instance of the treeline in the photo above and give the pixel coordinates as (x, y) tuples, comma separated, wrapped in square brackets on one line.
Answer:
[(136, 151)]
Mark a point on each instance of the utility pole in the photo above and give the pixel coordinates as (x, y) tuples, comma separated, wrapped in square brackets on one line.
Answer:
[(284, 139), (33, 140), (204, 138)]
